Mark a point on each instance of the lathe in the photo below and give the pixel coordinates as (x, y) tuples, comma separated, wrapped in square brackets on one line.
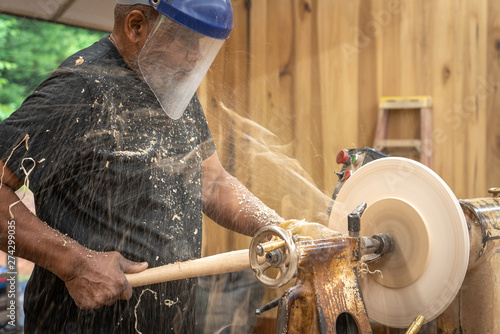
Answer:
[(407, 244)]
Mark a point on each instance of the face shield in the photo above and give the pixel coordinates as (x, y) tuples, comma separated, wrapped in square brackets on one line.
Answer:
[(174, 61)]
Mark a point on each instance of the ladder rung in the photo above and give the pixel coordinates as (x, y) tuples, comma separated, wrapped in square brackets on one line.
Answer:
[(412, 102), (386, 143)]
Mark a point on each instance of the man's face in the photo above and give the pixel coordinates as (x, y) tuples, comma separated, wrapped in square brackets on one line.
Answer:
[(175, 50), (173, 61)]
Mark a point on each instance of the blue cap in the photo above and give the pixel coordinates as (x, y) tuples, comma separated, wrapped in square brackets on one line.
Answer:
[(212, 18)]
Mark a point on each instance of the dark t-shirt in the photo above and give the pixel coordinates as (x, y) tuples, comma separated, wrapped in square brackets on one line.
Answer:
[(113, 172)]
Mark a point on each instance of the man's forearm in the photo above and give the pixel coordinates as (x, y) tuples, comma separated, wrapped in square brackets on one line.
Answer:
[(93, 279), (26, 236), (233, 206)]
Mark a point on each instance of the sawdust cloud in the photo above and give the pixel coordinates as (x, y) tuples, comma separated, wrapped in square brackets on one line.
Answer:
[(265, 164)]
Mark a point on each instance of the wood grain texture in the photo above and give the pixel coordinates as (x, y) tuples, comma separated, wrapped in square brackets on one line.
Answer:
[(491, 92), (311, 72)]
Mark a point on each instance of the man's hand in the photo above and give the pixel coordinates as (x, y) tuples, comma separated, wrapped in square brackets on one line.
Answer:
[(101, 280), (313, 230)]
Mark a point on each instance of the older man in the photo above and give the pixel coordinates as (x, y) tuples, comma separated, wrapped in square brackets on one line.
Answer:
[(116, 149), (118, 154)]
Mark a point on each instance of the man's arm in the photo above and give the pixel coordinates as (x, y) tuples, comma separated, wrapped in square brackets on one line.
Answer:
[(93, 279), (230, 204)]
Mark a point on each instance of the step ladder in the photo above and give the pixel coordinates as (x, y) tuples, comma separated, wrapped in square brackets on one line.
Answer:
[(422, 145)]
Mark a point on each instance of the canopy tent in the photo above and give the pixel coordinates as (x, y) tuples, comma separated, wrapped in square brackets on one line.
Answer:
[(91, 14)]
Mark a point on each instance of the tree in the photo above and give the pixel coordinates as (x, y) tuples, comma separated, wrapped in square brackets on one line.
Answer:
[(29, 51)]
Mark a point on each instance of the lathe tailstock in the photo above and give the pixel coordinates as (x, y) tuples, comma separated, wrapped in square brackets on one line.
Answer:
[(475, 308)]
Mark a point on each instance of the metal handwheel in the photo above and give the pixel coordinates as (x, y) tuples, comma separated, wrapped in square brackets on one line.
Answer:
[(280, 254)]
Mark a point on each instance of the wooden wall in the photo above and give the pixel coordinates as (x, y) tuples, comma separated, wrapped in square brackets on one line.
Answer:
[(301, 79)]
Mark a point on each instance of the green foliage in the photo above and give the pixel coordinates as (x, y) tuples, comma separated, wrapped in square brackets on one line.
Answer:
[(29, 51)]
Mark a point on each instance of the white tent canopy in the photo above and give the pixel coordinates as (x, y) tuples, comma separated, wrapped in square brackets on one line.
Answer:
[(92, 14)]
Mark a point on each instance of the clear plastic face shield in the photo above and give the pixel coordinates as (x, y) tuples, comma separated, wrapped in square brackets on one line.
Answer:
[(174, 61)]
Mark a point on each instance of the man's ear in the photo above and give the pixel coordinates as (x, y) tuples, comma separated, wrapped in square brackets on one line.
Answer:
[(136, 26)]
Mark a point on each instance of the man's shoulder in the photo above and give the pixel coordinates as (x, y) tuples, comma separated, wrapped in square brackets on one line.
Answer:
[(99, 58), (77, 79)]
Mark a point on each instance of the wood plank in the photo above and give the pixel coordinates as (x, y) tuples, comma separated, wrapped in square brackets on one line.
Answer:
[(442, 48), (477, 33), (372, 22), (489, 90), (335, 27)]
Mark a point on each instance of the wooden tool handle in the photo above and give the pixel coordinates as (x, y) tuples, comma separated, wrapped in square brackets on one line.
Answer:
[(210, 265)]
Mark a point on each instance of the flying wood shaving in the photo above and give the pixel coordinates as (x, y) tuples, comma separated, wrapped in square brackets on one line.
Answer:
[(137, 305), (171, 303), (26, 172), (26, 183), (25, 139), (363, 270)]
